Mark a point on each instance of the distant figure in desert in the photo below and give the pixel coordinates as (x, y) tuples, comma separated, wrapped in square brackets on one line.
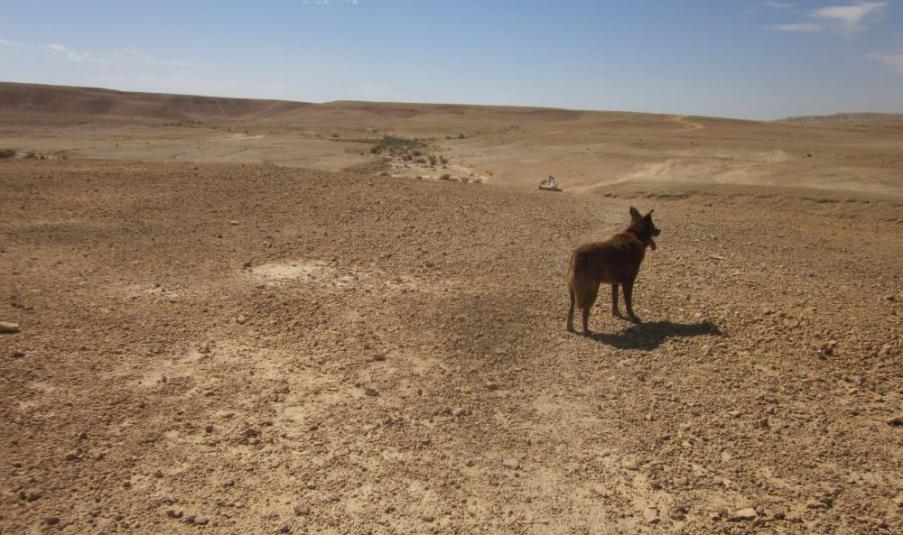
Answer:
[(615, 261), (549, 183)]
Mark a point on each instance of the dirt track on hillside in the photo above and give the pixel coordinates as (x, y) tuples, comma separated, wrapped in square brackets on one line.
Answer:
[(253, 349)]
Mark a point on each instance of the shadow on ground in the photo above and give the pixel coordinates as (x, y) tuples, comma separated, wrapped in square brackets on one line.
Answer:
[(648, 336)]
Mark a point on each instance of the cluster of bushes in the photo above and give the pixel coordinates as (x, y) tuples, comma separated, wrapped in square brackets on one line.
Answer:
[(408, 150), (398, 146)]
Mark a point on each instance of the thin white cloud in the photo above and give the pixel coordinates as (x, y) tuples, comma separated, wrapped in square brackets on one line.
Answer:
[(119, 57), (804, 27), (893, 62), (10, 44), (73, 55), (850, 18), (844, 19)]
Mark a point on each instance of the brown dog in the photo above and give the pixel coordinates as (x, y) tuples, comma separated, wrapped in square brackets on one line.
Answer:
[(615, 261)]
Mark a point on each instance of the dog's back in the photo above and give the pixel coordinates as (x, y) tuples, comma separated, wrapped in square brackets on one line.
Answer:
[(611, 261)]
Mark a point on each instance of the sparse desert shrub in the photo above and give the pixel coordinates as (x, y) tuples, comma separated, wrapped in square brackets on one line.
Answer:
[(396, 145), (446, 176), (7, 153), (460, 136), (444, 160), (433, 160), (31, 155)]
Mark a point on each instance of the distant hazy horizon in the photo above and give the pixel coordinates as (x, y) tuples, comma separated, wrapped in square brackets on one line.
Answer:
[(751, 59)]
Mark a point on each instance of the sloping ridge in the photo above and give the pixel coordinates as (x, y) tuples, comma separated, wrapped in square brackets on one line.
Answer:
[(95, 102)]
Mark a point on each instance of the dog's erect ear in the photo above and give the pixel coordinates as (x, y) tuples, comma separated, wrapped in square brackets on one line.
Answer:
[(650, 213), (635, 214)]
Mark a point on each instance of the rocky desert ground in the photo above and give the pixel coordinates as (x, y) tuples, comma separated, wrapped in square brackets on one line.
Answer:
[(271, 317)]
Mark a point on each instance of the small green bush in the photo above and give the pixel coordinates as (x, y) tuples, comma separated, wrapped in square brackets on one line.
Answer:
[(7, 153), (396, 145)]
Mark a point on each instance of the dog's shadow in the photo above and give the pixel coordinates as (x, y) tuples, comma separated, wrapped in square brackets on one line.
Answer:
[(648, 336)]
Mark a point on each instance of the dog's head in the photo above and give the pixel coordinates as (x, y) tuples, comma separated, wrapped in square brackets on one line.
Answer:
[(643, 227)]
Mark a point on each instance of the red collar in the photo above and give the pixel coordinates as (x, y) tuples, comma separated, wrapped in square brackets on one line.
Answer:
[(632, 233)]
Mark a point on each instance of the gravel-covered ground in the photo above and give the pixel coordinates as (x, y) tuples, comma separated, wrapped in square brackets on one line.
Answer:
[(253, 349)]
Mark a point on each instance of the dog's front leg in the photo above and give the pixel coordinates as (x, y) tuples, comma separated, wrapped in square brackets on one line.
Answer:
[(628, 302)]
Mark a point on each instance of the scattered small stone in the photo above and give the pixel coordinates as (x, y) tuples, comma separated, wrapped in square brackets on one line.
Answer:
[(197, 520), (82, 435), (284, 528), (209, 428), (247, 264), (127, 484), (174, 513), (379, 357), (460, 411), (899, 500), (492, 385), (8, 328), (650, 515), (228, 482), (428, 518), (18, 354), (95, 512), (511, 463), (233, 222), (52, 520), (896, 421), (74, 455), (372, 392), (827, 349), (630, 463), (680, 511), (744, 514), (301, 509), (241, 320), (891, 297), (31, 495), (158, 474)]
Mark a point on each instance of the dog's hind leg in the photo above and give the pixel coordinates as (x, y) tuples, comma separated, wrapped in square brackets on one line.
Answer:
[(586, 304), (571, 310), (614, 301)]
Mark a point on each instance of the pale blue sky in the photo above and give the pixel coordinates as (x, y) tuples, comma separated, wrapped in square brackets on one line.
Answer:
[(752, 59)]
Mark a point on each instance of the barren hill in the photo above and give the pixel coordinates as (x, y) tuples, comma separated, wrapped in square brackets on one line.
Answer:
[(67, 103), (514, 146)]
